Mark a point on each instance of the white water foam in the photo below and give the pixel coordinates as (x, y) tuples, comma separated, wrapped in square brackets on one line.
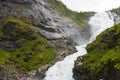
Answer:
[(99, 22), (62, 70)]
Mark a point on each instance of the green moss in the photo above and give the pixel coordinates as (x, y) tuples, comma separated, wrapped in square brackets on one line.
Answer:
[(4, 56), (34, 50), (15, 28), (35, 55), (1, 33), (27, 19), (105, 50), (78, 18)]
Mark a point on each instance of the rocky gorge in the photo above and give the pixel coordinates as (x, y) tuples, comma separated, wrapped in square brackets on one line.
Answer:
[(38, 39), (33, 36)]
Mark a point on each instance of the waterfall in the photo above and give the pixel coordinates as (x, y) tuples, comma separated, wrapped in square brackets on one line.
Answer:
[(99, 22), (62, 70)]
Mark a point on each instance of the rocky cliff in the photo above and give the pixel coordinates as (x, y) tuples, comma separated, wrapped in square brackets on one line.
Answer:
[(102, 61), (116, 14), (33, 36)]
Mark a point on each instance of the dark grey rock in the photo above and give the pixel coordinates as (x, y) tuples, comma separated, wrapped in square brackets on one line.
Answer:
[(7, 45)]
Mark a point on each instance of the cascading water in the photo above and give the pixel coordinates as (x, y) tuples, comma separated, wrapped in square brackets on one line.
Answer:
[(99, 22), (63, 70)]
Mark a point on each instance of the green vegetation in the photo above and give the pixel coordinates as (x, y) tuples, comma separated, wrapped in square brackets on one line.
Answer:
[(105, 50), (3, 56), (32, 50), (116, 10), (78, 18)]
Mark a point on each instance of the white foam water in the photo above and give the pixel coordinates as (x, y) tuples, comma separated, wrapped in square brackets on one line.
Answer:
[(99, 22), (62, 70)]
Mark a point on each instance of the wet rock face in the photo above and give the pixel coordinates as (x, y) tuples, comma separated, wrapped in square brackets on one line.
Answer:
[(36, 12), (116, 15), (19, 1), (80, 72), (40, 14)]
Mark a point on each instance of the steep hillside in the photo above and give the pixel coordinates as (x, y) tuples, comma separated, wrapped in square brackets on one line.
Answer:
[(79, 18), (116, 13), (116, 10), (33, 36), (103, 58), (29, 38)]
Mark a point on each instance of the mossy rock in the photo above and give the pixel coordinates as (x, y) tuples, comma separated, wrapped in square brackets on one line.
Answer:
[(31, 49), (104, 53)]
